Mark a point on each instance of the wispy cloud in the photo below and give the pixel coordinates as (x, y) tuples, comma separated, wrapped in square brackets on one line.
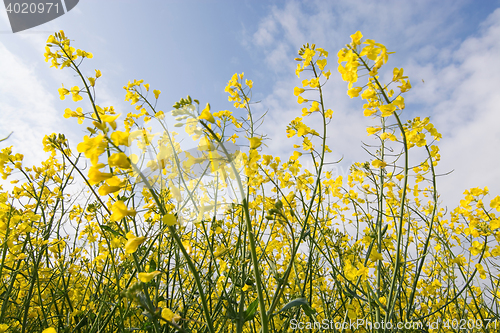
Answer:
[(463, 97), (27, 107)]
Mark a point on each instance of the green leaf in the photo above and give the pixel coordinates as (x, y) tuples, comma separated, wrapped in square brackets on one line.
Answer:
[(293, 303), (152, 266), (6, 137), (273, 268), (308, 310), (251, 310), (278, 204), (111, 230)]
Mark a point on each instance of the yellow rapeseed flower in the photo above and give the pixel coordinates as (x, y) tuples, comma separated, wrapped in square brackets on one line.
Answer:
[(120, 210), (119, 160), (146, 277), (255, 142), (354, 92), (169, 315), (356, 38), (49, 330), (133, 243), (75, 91), (297, 91), (206, 115), (495, 203), (372, 130), (120, 138), (92, 147), (96, 176), (106, 189), (157, 93), (169, 219), (321, 64), (301, 100), (63, 92), (379, 164)]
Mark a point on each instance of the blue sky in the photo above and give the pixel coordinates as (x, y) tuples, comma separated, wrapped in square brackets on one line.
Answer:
[(194, 47)]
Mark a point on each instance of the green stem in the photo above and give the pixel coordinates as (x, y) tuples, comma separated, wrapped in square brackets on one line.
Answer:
[(189, 261)]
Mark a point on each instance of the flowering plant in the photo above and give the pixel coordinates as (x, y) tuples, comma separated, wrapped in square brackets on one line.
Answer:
[(224, 238)]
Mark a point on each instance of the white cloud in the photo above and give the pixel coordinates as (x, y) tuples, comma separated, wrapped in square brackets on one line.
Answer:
[(264, 35), (278, 57), (464, 99), (26, 107)]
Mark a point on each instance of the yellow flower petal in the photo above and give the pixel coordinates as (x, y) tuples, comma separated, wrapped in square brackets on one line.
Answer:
[(169, 219), (133, 243), (321, 64), (146, 277), (49, 330), (206, 115), (387, 110), (75, 92), (301, 100), (92, 147), (255, 142), (96, 176), (120, 210), (119, 160), (379, 164), (169, 315), (354, 92), (120, 138), (374, 255), (356, 38), (106, 189), (115, 181), (297, 91), (314, 106), (372, 130), (495, 203), (110, 119)]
